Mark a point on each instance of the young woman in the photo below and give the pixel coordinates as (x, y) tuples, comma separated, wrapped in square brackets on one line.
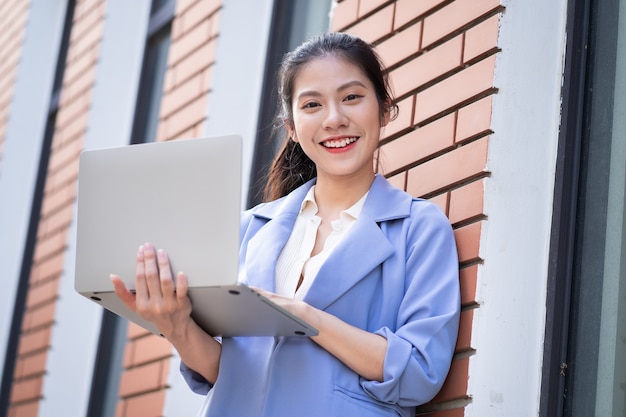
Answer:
[(373, 269)]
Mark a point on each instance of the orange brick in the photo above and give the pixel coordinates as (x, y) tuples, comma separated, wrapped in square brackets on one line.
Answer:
[(464, 339), (482, 38), (193, 63), (34, 341), (401, 45), (468, 241), (41, 293), (418, 144), (149, 377), (135, 331), (182, 5), (453, 17), (467, 202), (456, 382), (147, 405), (442, 201), (398, 180), (474, 119), (215, 24), (456, 89), (403, 121), (409, 10), (189, 42), (374, 27), (42, 314), (455, 412), (62, 196), (195, 14), (186, 117), (31, 365), (150, 348), (467, 279), (344, 13), (44, 272), (428, 67), (29, 409), (367, 6), (27, 389), (182, 95), (448, 169)]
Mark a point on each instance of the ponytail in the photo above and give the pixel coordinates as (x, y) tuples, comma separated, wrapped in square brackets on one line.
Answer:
[(290, 169)]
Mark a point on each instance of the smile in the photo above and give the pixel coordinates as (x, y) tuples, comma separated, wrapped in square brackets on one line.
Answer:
[(340, 143)]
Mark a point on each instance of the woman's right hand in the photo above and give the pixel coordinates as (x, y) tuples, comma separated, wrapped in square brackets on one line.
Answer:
[(169, 308), (156, 299)]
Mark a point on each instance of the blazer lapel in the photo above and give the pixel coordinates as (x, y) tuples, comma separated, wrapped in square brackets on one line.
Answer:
[(264, 248), (364, 248)]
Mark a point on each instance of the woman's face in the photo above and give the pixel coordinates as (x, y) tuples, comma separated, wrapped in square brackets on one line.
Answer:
[(336, 118)]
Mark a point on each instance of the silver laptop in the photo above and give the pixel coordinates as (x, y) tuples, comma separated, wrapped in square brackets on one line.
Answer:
[(183, 196)]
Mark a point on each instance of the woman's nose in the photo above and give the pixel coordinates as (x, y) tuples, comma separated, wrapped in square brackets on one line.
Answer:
[(335, 117)]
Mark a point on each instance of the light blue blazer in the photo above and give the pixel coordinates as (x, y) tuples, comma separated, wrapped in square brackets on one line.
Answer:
[(395, 275)]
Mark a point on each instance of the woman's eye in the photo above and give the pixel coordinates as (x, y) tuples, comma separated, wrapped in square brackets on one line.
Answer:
[(350, 97), (310, 105)]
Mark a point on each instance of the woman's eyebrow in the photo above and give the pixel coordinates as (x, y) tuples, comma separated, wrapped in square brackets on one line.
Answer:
[(314, 93)]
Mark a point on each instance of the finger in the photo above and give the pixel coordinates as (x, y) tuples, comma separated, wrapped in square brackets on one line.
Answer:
[(181, 287), (127, 297), (141, 287), (165, 275), (153, 281)]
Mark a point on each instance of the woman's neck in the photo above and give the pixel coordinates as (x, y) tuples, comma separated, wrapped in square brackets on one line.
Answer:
[(338, 194)]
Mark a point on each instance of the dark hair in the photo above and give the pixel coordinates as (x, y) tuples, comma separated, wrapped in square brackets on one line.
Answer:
[(292, 167)]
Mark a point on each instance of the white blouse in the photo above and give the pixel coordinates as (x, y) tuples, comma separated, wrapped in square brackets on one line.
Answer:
[(295, 259)]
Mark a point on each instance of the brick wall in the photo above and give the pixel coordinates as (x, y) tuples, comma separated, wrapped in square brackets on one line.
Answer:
[(13, 15), (441, 59), (57, 208)]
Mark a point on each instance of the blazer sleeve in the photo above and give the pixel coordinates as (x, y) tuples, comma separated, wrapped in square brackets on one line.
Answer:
[(420, 349)]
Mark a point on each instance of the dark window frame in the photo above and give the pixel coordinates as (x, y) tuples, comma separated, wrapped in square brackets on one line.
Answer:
[(560, 268), (589, 28)]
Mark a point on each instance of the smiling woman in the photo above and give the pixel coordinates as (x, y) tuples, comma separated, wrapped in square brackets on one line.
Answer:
[(372, 268)]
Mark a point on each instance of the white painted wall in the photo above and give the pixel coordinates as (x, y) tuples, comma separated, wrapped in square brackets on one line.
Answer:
[(233, 107), (67, 383), (22, 147), (508, 332)]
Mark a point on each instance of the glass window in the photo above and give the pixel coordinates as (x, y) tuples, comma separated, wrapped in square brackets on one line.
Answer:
[(595, 369), (153, 72)]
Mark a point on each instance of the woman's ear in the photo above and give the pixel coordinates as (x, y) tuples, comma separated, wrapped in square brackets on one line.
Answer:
[(386, 113), (291, 133)]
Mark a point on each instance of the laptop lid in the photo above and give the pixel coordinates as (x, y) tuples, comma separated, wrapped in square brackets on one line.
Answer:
[(183, 196)]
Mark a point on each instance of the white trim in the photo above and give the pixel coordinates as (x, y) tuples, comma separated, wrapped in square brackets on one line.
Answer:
[(509, 325), (67, 384), (22, 147)]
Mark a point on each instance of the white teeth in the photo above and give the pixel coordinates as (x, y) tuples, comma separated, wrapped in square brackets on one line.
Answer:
[(339, 143)]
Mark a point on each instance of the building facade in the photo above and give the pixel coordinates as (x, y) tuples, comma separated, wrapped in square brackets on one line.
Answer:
[(508, 121)]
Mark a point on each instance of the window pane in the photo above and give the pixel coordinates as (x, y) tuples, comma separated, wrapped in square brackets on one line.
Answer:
[(157, 64), (597, 360)]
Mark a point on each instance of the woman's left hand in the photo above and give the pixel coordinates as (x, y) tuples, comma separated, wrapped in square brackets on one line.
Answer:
[(360, 350)]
